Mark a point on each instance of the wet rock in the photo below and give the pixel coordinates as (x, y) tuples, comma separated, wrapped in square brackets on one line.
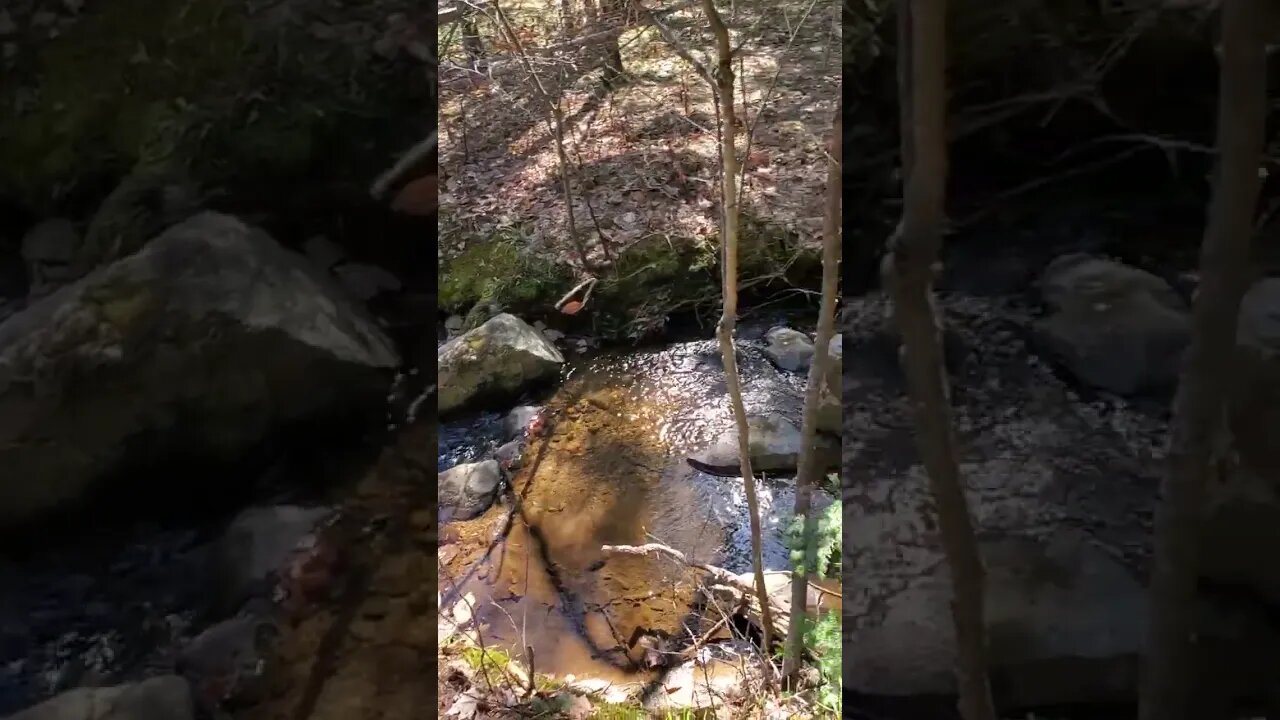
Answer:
[(775, 445), (162, 698), (466, 491), (366, 282), (206, 342), (1114, 327), (225, 663), (257, 547), (516, 421), (500, 358), (48, 250), (788, 349)]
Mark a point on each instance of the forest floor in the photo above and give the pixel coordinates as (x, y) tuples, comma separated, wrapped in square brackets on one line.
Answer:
[(644, 156)]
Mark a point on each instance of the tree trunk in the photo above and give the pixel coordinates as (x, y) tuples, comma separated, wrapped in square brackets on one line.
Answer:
[(808, 472), (914, 253), (614, 14), (723, 78), (1242, 109)]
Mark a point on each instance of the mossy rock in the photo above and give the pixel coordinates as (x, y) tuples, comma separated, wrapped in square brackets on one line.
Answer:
[(240, 96)]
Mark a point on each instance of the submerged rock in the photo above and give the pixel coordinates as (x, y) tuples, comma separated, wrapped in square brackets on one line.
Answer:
[(775, 446), (467, 490), (500, 358), (1114, 327), (788, 349), (205, 343), (161, 698)]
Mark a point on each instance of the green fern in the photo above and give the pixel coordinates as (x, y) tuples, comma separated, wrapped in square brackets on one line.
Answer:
[(827, 539)]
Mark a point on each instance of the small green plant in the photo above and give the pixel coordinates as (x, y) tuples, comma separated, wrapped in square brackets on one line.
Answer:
[(823, 640), (827, 537)]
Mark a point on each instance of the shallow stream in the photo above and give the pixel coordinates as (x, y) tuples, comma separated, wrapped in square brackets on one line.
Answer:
[(611, 469)]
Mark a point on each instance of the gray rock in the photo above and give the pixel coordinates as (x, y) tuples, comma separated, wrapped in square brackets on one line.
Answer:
[(500, 358), (788, 349), (204, 343), (1114, 327), (453, 323), (466, 491), (255, 547), (167, 697), (514, 424), (775, 445), (366, 282)]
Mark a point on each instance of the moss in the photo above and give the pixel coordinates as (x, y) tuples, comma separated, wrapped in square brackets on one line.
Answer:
[(502, 274), (118, 88), (241, 98)]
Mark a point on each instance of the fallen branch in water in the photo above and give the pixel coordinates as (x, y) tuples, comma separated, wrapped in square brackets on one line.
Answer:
[(781, 612)]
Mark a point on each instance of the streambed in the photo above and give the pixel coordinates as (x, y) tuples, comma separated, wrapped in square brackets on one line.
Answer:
[(610, 469)]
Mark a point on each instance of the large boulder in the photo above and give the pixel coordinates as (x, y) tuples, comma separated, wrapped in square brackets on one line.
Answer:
[(775, 445), (167, 697), (500, 358), (1114, 327), (205, 343)]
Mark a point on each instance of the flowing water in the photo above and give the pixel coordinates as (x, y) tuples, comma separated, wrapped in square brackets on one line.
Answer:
[(610, 470)]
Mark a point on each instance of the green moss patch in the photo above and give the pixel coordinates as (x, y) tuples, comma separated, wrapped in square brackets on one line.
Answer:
[(500, 272), (240, 98)]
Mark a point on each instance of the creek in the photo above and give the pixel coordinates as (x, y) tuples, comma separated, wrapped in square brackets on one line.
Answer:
[(610, 468)]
